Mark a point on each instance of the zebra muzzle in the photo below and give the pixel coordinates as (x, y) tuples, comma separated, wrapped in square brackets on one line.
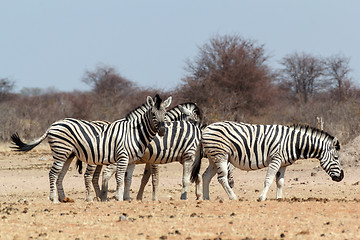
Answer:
[(161, 131), (338, 178)]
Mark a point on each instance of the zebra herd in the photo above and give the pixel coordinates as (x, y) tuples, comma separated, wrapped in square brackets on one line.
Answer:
[(153, 135)]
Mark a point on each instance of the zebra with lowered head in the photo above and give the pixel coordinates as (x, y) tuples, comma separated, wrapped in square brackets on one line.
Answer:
[(120, 142), (183, 112), (251, 147)]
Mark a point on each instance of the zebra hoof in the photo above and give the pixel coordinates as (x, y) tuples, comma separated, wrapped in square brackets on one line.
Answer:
[(139, 197), (118, 198), (67, 200), (55, 201), (260, 199), (183, 196)]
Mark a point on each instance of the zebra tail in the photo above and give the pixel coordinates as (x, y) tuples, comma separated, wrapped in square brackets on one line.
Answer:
[(79, 166), (195, 169), (20, 146)]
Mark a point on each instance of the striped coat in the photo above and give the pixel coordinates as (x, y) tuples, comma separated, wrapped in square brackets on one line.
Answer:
[(182, 112), (120, 142), (251, 147)]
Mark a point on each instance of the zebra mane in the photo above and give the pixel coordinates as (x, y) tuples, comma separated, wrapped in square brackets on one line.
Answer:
[(173, 113), (141, 110), (137, 112), (196, 109), (307, 128)]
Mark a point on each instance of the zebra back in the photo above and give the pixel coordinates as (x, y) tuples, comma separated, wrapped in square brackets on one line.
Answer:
[(181, 139), (190, 113), (252, 146), (137, 112), (174, 114)]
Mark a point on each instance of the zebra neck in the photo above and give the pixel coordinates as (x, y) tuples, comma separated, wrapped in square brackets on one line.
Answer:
[(174, 114), (145, 130), (305, 144), (202, 125)]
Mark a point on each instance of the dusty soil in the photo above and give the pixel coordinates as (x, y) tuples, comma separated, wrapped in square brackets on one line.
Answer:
[(314, 207)]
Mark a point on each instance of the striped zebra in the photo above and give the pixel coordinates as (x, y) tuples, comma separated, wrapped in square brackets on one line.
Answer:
[(152, 169), (251, 147), (183, 112), (179, 144), (120, 142)]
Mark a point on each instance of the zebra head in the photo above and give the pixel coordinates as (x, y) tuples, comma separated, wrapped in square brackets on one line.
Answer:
[(158, 112), (329, 161), (191, 112)]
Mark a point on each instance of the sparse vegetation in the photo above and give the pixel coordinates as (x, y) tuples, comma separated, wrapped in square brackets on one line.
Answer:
[(229, 78)]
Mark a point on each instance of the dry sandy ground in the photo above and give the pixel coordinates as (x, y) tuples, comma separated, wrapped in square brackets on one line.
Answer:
[(314, 207)]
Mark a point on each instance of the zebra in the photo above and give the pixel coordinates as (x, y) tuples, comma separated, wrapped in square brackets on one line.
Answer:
[(158, 153), (179, 144), (120, 142), (183, 112), (153, 170), (251, 147)]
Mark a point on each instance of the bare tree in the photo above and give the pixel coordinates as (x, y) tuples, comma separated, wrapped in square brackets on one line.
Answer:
[(337, 70), (302, 73), (229, 75), (6, 86), (106, 81), (113, 94)]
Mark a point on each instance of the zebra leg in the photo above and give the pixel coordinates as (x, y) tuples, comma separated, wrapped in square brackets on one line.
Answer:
[(60, 179), (107, 173), (197, 159), (88, 175), (128, 178), (222, 171), (270, 175), (53, 176), (230, 174), (121, 166), (144, 180), (280, 182), (186, 178), (95, 180), (207, 176), (155, 180), (197, 189)]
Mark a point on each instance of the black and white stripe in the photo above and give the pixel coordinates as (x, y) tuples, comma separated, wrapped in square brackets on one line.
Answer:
[(180, 143), (122, 141), (251, 147), (185, 111)]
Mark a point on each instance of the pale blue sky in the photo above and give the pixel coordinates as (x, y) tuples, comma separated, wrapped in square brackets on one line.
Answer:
[(52, 43)]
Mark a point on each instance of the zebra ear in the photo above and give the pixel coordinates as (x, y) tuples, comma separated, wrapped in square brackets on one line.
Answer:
[(167, 102), (184, 110), (150, 101), (336, 144)]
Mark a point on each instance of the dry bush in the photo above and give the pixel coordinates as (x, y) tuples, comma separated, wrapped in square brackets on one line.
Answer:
[(228, 79), (341, 119), (8, 117), (30, 115)]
